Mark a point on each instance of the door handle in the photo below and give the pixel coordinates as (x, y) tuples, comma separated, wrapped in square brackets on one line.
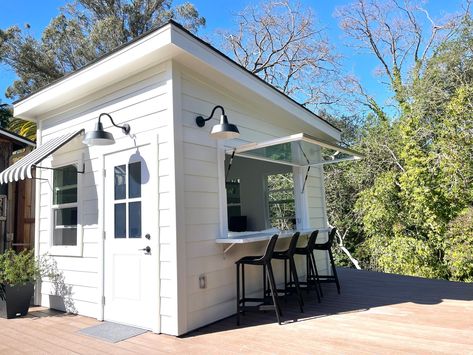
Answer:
[(147, 250)]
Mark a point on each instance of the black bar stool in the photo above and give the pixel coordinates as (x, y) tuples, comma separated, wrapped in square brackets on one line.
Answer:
[(312, 275), (265, 262), (288, 255), (327, 246)]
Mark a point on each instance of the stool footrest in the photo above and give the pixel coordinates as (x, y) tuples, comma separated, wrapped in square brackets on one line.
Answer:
[(289, 289), (249, 299), (266, 307), (306, 284)]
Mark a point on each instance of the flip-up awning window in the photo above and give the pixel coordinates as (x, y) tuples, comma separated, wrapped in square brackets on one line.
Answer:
[(299, 150)]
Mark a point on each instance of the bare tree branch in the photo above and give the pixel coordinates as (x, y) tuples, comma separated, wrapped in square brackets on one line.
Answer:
[(395, 32), (280, 42)]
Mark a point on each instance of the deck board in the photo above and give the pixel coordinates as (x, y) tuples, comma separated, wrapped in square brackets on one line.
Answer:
[(376, 313)]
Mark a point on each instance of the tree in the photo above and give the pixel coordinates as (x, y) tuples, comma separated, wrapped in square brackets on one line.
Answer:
[(24, 128), (459, 253), (401, 35), (395, 208), (83, 31), (5, 115), (410, 215), (280, 42)]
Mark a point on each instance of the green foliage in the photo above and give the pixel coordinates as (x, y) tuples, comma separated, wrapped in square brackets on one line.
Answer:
[(459, 250), (282, 212), (18, 268), (379, 206), (83, 31), (404, 255), (408, 194), (23, 128), (5, 115)]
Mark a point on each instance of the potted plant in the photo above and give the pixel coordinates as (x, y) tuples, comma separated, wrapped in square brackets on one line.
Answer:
[(18, 272)]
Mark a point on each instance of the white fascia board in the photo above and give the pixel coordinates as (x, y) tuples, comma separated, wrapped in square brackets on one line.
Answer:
[(232, 70), (130, 59)]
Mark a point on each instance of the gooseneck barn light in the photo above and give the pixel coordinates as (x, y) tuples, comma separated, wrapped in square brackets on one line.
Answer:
[(101, 137), (223, 130)]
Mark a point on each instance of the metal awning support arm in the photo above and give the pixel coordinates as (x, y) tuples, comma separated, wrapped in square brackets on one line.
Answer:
[(335, 161), (230, 164), (305, 179), (48, 168)]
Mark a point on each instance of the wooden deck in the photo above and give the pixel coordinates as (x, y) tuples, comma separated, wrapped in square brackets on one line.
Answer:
[(376, 313)]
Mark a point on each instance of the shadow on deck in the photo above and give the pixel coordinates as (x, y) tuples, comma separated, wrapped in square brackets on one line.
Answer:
[(360, 291)]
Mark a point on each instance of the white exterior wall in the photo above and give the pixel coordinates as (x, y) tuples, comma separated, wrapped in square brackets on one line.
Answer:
[(203, 182), (160, 102), (317, 214), (145, 102)]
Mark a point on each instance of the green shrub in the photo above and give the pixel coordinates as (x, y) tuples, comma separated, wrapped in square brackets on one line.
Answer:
[(459, 250), (18, 268), (404, 255)]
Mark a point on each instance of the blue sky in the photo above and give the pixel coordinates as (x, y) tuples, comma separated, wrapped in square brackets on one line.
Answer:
[(219, 15)]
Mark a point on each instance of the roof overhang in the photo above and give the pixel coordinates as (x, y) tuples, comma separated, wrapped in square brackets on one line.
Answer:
[(299, 150), (165, 43), (16, 139), (122, 63)]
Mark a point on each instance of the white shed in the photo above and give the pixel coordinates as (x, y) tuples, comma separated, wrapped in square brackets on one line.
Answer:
[(163, 186)]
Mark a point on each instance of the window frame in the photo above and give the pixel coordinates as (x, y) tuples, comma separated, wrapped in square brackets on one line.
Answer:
[(300, 196), (66, 250)]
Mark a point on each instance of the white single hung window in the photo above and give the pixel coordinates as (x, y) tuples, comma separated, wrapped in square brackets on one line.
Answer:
[(64, 209)]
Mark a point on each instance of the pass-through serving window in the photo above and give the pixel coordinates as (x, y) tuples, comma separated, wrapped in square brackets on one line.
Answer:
[(260, 195)]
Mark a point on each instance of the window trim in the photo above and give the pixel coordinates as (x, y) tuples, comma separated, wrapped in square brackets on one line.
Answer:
[(66, 250), (300, 198)]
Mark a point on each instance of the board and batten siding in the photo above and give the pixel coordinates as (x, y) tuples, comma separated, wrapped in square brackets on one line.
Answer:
[(202, 200), (143, 101)]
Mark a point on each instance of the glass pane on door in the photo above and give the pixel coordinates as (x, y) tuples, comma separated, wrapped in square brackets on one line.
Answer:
[(120, 182), (134, 180), (134, 215), (120, 220)]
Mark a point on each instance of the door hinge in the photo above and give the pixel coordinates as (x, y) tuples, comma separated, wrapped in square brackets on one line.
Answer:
[(103, 300), (104, 235), (104, 173)]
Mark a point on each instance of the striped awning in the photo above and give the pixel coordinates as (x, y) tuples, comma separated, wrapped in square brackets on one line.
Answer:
[(22, 169)]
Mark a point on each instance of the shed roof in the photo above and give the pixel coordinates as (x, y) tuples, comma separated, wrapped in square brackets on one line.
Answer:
[(194, 37), (158, 45), (18, 141)]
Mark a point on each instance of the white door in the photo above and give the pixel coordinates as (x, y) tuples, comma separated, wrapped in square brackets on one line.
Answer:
[(131, 280)]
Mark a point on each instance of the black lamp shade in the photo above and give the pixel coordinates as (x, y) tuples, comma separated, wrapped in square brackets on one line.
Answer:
[(224, 130), (98, 136)]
